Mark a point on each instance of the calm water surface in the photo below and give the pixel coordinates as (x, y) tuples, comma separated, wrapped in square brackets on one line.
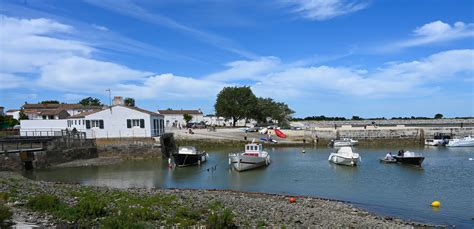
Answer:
[(389, 189)]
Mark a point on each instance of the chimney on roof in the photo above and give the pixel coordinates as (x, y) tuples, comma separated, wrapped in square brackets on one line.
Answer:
[(118, 100)]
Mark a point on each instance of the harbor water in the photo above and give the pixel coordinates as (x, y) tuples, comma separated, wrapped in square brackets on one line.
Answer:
[(393, 190)]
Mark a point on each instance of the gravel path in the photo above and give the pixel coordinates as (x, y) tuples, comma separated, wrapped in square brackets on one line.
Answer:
[(250, 209)]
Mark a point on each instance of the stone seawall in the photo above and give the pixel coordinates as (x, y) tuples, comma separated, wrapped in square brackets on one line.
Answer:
[(129, 148)]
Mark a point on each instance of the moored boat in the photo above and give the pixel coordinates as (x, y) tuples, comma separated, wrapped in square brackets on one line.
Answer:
[(253, 157), (440, 139), (410, 158), (343, 142), (463, 142), (345, 156), (189, 155)]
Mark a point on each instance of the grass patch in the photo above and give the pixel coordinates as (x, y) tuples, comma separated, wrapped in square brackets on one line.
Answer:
[(220, 217), (45, 203), (5, 213)]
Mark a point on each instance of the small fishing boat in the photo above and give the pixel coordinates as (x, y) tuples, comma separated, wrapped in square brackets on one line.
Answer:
[(345, 156), (253, 157), (410, 158), (189, 155), (343, 142), (463, 142)]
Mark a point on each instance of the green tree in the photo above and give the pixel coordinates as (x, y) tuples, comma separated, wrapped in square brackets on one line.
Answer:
[(49, 102), (23, 116), (236, 103), (187, 118), (89, 101), (129, 102), (357, 118), (268, 108), (7, 122), (438, 116)]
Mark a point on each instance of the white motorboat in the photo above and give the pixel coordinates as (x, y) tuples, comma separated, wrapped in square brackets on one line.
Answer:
[(344, 142), (463, 142), (439, 139), (253, 157), (345, 156)]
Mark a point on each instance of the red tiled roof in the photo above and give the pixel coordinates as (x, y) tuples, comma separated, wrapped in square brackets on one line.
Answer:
[(12, 110), (182, 112)]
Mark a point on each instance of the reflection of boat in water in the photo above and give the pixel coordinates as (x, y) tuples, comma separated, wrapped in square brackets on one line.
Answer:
[(410, 158), (463, 142), (253, 157), (344, 156), (343, 142), (189, 155), (439, 139)]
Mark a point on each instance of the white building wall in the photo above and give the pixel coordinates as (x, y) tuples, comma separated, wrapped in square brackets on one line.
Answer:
[(39, 127), (115, 124), (178, 118), (14, 114)]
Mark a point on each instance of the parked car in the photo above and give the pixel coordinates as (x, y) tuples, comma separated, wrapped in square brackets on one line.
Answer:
[(200, 125)]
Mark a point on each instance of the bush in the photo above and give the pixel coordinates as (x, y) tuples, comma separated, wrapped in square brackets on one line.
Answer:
[(90, 207), (5, 213), (45, 203), (220, 217)]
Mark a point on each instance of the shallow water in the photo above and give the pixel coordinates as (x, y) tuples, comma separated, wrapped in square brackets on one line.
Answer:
[(388, 189)]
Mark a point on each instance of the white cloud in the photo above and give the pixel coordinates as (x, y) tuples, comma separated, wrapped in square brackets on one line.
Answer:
[(172, 87), (77, 73), (406, 79), (99, 27), (28, 44), (11, 81), (436, 32), (246, 69), (325, 9)]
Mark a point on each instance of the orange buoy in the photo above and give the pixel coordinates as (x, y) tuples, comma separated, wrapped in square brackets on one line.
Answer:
[(292, 199)]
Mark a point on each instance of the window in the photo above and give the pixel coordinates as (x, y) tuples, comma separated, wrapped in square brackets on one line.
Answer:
[(51, 117), (44, 116), (75, 122), (95, 123), (135, 123)]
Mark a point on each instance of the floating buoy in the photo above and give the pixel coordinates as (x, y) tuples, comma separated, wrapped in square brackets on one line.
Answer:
[(292, 199), (303, 151), (471, 159), (435, 204)]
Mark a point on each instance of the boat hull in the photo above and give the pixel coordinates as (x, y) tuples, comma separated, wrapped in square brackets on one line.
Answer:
[(336, 159), (182, 160), (417, 161), (243, 163), (461, 144)]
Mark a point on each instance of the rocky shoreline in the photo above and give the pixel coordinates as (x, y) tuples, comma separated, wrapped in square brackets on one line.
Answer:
[(173, 207)]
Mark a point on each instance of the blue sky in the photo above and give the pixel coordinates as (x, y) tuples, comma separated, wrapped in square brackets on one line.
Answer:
[(321, 57)]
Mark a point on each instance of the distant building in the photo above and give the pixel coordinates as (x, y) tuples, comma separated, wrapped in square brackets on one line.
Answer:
[(71, 109), (115, 122), (118, 100), (13, 113), (221, 121), (46, 114), (174, 118)]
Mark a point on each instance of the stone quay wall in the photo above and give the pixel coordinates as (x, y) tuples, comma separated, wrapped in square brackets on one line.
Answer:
[(448, 122), (129, 148)]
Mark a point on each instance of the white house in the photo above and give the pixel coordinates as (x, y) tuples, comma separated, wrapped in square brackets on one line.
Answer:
[(13, 113), (174, 118), (118, 121), (221, 121)]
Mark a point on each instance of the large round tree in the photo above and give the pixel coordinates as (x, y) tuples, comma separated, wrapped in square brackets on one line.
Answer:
[(235, 103)]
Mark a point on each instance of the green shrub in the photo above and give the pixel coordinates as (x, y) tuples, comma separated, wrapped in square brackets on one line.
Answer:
[(5, 213), (221, 219), (90, 207), (4, 197), (45, 203)]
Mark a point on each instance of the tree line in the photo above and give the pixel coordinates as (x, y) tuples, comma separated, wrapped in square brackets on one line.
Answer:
[(237, 103), (324, 118)]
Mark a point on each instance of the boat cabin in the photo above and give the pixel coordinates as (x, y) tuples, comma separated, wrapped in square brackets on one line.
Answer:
[(253, 149), (187, 150)]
